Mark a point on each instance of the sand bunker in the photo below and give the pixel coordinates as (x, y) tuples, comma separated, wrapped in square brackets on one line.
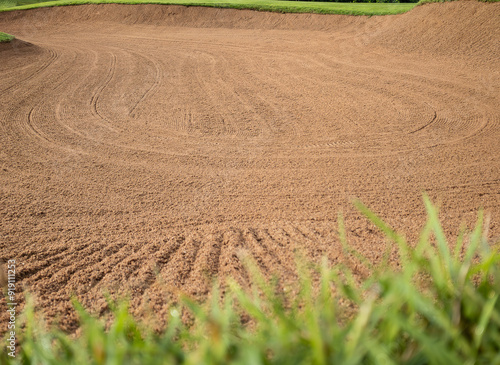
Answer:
[(143, 147)]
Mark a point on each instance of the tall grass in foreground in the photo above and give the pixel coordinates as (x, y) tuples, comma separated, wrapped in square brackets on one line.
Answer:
[(441, 307)]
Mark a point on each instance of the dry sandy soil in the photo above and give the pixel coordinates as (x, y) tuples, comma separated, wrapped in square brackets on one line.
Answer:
[(143, 147)]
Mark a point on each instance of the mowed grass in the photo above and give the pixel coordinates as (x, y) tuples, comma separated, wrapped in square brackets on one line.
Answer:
[(4, 37), (440, 306), (261, 5)]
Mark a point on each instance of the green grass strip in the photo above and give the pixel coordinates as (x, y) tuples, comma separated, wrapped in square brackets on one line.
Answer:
[(260, 5), (4, 37)]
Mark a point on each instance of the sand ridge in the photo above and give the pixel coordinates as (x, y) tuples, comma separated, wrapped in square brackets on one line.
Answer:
[(142, 148)]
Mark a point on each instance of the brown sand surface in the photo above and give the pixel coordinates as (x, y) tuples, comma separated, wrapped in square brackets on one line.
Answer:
[(143, 147)]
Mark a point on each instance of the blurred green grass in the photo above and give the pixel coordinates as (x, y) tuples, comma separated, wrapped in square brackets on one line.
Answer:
[(440, 306)]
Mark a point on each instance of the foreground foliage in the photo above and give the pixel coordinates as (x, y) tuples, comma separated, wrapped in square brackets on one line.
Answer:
[(440, 307)]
